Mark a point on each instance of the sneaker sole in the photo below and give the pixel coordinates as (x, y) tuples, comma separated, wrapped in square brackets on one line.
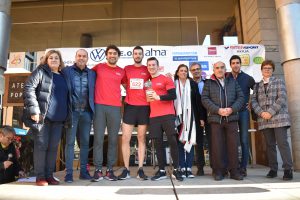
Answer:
[(128, 177), (97, 180), (271, 176), (110, 179), (142, 178), (160, 178)]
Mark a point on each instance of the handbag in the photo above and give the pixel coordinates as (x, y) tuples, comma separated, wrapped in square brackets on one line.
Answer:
[(253, 114)]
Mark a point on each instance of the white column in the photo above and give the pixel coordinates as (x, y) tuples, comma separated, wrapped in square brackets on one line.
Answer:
[(5, 25), (288, 16)]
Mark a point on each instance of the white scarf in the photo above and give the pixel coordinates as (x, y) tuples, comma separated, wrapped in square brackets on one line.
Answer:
[(184, 113)]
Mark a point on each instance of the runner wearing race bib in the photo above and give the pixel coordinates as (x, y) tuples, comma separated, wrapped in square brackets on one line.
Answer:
[(136, 112)]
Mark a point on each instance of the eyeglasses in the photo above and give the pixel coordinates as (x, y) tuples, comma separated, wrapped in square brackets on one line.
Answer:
[(220, 67), (267, 68), (196, 69)]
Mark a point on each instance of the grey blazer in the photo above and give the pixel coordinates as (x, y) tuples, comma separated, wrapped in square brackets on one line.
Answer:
[(272, 100)]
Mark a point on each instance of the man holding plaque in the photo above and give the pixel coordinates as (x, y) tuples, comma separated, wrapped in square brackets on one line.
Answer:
[(162, 118)]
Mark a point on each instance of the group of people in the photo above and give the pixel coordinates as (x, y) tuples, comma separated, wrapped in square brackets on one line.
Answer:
[(75, 97)]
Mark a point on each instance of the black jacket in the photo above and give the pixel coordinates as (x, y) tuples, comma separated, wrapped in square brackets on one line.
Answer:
[(8, 175), (199, 111), (212, 99), (246, 82), (37, 91)]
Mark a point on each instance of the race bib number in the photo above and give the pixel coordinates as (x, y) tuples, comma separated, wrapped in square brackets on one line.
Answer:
[(136, 83)]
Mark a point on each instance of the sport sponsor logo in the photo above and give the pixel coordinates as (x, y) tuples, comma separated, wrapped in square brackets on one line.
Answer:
[(185, 58), (147, 52), (245, 59), (97, 55), (240, 47), (258, 60), (212, 50)]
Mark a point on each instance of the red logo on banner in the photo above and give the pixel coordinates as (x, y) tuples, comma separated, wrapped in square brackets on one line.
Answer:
[(212, 50)]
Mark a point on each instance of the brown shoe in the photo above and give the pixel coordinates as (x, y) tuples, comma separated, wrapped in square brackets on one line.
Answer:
[(41, 182), (52, 181)]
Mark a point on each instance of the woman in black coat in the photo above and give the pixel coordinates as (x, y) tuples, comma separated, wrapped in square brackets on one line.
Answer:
[(46, 101)]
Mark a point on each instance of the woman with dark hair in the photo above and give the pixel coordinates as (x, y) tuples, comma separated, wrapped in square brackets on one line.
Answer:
[(9, 165), (46, 108), (269, 102), (190, 116)]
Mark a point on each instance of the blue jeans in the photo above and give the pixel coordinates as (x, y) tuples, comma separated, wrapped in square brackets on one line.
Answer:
[(185, 158), (244, 136), (81, 123), (45, 148)]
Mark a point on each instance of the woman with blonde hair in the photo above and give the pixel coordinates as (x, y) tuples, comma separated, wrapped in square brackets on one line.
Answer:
[(46, 109)]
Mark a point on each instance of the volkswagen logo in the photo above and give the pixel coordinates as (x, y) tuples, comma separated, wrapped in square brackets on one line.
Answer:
[(97, 55)]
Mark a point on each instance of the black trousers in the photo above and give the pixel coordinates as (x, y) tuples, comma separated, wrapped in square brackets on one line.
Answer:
[(200, 160), (157, 127), (224, 138)]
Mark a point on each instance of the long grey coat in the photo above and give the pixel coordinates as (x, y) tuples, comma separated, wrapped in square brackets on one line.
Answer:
[(274, 101)]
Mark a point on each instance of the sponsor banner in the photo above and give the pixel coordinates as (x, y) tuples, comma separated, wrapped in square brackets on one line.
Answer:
[(16, 60), (170, 57)]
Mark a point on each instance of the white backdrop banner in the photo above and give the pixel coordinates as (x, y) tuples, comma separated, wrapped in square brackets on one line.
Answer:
[(170, 57)]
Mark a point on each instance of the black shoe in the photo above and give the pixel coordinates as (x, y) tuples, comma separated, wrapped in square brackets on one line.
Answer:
[(124, 175), (141, 175), (159, 175), (200, 171), (237, 177), (225, 173), (85, 176), (177, 175), (243, 172), (97, 176), (110, 175), (272, 174), (219, 177), (288, 175), (69, 178)]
